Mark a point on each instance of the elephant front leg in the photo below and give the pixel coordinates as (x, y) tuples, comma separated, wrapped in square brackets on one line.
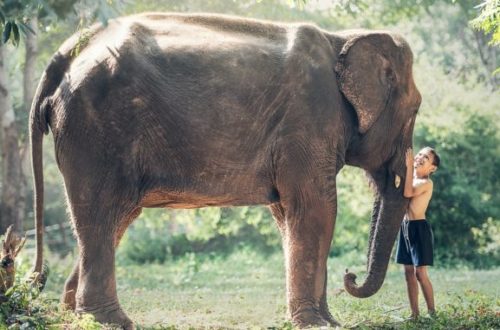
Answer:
[(308, 234), (324, 310)]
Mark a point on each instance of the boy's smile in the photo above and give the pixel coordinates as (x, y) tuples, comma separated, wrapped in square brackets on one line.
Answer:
[(423, 163)]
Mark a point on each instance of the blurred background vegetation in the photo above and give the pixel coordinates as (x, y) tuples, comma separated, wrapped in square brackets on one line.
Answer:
[(455, 43)]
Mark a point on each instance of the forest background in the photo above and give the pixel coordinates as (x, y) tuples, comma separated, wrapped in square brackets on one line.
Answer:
[(222, 268), (457, 56), (460, 116), (456, 70)]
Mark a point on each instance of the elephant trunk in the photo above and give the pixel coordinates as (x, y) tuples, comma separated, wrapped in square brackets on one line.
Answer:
[(388, 212), (373, 225)]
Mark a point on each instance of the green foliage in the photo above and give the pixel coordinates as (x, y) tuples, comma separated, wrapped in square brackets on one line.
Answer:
[(353, 216), (90, 11), (23, 307), (147, 240), (489, 20), (18, 308), (466, 206), (160, 234), (14, 16), (445, 55)]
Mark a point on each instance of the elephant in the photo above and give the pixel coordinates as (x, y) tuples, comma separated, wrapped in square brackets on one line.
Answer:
[(168, 110)]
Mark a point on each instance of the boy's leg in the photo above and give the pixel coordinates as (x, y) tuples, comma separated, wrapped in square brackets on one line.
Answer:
[(426, 285), (412, 286)]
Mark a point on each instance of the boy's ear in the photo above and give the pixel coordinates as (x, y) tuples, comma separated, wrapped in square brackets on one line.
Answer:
[(433, 168)]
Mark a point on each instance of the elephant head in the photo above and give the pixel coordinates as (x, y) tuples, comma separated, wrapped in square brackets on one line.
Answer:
[(374, 72)]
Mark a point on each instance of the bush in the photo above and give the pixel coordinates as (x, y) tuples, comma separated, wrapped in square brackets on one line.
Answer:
[(465, 207), (161, 234)]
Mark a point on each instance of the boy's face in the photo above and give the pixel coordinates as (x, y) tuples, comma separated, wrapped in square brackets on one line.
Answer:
[(423, 162)]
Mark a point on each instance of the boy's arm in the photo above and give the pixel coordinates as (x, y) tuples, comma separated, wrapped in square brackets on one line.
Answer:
[(411, 190), (408, 191)]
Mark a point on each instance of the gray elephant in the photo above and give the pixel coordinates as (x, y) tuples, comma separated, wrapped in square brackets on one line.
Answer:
[(188, 111)]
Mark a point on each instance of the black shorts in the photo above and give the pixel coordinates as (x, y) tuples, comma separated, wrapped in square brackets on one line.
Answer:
[(416, 243)]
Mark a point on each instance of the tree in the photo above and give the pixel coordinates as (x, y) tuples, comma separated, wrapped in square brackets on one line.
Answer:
[(489, 22), (12, 16), (25, 16)]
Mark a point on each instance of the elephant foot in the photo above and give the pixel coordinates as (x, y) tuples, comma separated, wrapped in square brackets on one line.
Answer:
[(325, 313), (309, 317), (114, 315), (68, 300), (329, 318)]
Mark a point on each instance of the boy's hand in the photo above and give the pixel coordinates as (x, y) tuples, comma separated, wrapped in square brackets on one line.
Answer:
[(409, 158)]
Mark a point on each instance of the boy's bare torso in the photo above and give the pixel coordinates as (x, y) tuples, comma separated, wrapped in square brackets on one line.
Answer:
[(418, 204), (418, 185)]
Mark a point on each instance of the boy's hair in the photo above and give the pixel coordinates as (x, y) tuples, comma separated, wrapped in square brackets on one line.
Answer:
[(435, 159)]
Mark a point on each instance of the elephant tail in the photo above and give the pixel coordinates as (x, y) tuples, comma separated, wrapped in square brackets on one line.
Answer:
[(40, 119), (39, 123)]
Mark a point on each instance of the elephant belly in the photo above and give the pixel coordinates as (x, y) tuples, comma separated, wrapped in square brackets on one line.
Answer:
[(188, 199)]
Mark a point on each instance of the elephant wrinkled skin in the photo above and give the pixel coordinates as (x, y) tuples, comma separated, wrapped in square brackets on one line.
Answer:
[(187, 111)]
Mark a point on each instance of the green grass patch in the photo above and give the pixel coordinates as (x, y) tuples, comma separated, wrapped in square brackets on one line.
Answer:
[(246, 290)]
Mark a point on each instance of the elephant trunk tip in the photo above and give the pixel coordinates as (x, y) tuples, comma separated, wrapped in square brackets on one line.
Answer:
[(362, 291)]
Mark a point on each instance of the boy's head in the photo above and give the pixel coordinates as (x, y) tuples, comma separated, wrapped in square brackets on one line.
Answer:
[(426, 162)]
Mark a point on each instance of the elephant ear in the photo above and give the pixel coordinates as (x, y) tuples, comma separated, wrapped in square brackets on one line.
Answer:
[(366, 75)]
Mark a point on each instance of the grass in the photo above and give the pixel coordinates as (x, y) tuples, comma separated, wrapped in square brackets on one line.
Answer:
[(247, 291)]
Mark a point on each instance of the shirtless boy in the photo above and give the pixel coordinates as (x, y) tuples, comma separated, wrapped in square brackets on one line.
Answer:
[(415, 246)]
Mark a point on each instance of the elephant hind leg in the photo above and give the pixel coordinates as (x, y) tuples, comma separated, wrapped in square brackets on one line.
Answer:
[(68, 298), (96, 292)]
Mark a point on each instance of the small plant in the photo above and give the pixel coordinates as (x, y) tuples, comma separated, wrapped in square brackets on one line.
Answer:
[(16, 297), (10, 249), (18, 308), (21, 306)]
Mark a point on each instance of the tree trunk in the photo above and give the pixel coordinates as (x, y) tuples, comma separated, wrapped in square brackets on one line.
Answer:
[(10, 207), (29, 74), (29, 85)]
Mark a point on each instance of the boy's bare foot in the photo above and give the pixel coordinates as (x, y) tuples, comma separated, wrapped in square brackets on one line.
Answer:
[(432, 313)]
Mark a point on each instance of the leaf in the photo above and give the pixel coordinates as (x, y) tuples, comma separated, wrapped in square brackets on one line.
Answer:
[(6, 32), (15, 34)]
